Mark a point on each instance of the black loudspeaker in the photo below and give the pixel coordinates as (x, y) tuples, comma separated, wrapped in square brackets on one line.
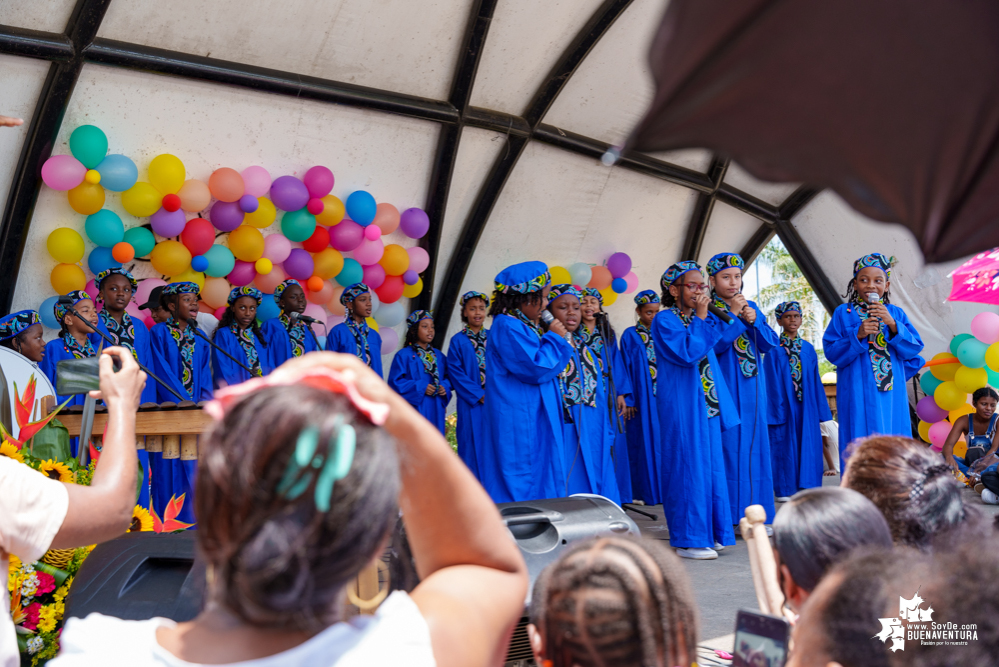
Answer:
[(139, 576)]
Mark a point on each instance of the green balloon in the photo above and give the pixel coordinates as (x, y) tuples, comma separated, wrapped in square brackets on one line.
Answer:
[(971, 353), (141, 240), (929, 383), (104, 228), (89, 145), (220, 261), (993, 377), (956, 341), (298, 225)]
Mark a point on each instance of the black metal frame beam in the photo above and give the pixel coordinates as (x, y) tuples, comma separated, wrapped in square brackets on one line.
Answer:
[(697, 227)]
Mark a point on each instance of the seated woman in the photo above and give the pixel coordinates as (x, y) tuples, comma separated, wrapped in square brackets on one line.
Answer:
[(981, 454), (290, 514), (22, 332), (618, 601), (285, 336), (353, 335), (419, 371), (818, 528), (73, 341), (239, 335)]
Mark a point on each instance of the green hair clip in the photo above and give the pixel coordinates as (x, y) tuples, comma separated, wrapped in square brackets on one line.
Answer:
[(305, 465)]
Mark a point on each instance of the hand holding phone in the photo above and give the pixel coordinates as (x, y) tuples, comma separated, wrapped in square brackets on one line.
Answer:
[(760, 640), (121, 379)]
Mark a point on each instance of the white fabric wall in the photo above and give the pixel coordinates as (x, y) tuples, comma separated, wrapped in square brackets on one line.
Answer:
[(21, 81)]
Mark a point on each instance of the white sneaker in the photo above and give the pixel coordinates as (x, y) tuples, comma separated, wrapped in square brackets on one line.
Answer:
[(989, 498), (783, 499), (770, 531), (719, 546), (697, 554)]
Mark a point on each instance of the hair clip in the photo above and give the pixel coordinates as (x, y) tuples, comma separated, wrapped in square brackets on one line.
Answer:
[(304, 464)]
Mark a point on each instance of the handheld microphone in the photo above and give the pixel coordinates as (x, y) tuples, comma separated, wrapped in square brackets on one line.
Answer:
[(546, 321), (872, 297), (722, 315)]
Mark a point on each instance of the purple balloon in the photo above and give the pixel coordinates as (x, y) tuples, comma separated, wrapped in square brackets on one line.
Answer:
[(414, 223), (248, 203), (346, 235), (226, 215), (289, 194), (928, 410), (299, 264), (242, 274), (410, 277), (619, 264), (168, 224), (374, 276), (319, 181)]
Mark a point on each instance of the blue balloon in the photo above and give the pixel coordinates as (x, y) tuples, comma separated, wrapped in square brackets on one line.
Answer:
[(199, 263), (971, 353), (100, 259), (268, 308), (220, 261), (350, 273), (361, 208), (104, 228), (929, 383), (619, 285), (118, 173), (46, 311)]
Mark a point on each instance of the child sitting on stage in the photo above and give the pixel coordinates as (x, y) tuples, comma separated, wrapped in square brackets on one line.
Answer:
[(639, 357), (796, 405), (354, 336), (286, 337), (466, 368), (22, 332), (73, 341), (181, 358), (115, 289), (419, 371), (239, 335)]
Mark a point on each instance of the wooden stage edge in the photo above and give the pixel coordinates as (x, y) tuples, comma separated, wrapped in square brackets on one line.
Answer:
[(151, 422)]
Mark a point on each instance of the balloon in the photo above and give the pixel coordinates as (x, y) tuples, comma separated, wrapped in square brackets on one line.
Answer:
[(104, 228), (369, 252), (264, 214), (419, 259), (315, 206), (371, 321), (600, 278), (412, 291), (395, 260), (65, 245), (171, 202), (985, 327), (220, 261), (67, 277), (168, 224), (376, 304), (263, 266), (166, 173), (268, 308), (170, 258), (619, 285), (928, 410), (298, 225), (361, 207), (560, 275), (266, 282), (580, 273), (956, 341), (215, 292), (299, 264), (945, 371), (316, 312), (350, 273), (929, 383), (320, 239), (219, 312), (391, 290), (321, 295), (122, 252), (314, 284), (414, 223), (970, 379), (248, 204), (961, 411), (63, 172), (226, 185), (289, 194), (609, 295), (91, 289), (46, 311), (948, 396), (386, 218), (226, 216), (390, 340), (372, 232), (410, 277), (938, 433), (246, 243), (89, 145), (972, 352), (146, 286), (256, 181), (332, 213), (276, 248), (194, 196), (199, 263), (924, 431), (318, 181), (327, 263), (632, 281), (101, 259), (391, 314), (118, 173), (346, 236), (92, 176), (86, 198), (141, 240), (334, 304), (374, 276), (198, 236), (619, 265), (141, 200), (242, 274), (993, 377)]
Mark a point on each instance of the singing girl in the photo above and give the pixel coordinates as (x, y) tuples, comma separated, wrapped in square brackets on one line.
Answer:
[(466, 368), (240, 336), (286, 336), (22, 332), (353, 335), (419, 371), (115, 289), (638, 354), (870, 340), (181, 358), (73, 341)]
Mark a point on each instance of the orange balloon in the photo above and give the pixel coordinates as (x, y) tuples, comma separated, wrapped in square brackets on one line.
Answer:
[(123, 252), (246, 243), (333, 211), (194, 196), (86, 198), (67, 277), (327, 263), (315, 284), (226, 184), (600, 278), (215, 292), (334, 305), (395, 260)]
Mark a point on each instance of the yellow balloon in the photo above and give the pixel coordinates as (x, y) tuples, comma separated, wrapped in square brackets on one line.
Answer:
[(93, 176), (992, 357), (959, 412), (945, 371), (264, 215), (170, 258), (191, 276), (970, 379), (327, 263), (86, 198), (948, 396), (961, 447), (67, 277), (371, 323), (141, 200), (246, 243), (166, 173), (65, 245), (264, 266), (410, 291), (560, 275), (333, 211), (215, 292), (395, 260), (924, 430), (609, 295)]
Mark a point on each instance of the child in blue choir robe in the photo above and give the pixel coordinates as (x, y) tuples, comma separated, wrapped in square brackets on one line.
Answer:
[(693, 404), (796, 405), (239, 335), (115, 289), (287, 338), (523, 403), (595, 331), (466, 368), (353, 335), (419, 371), (22, 332), (740, 349), (638, 354), (870, 341), (181, 358)]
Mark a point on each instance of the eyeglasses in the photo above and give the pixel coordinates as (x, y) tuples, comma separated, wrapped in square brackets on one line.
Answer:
[(695, 287)]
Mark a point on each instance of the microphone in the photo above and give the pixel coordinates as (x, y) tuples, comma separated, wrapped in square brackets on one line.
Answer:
[(872, 297), (193, 323), (722, 315), (294, 317), (546, 321)]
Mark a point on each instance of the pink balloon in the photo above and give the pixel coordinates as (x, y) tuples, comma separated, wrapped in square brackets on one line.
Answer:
[(219, 312), (63, 172), (277, 248), (145, 287), (369, 252), (419, 259), (91, 289), (266, 282), (386, 218), (133, 309), (333, 320), (319, 180), (939, 433), (317, 313), (346, 235), (372, 232), (390, 340), (242, 274), (323, 295), (632, 281), (374, 275), (256, 181), (985, 327)]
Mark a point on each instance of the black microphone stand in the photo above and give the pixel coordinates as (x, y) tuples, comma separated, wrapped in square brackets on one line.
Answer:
[(193, 323), (308, 326)]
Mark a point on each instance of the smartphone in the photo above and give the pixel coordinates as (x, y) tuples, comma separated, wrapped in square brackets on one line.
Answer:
[(79, 376), (760, 640)]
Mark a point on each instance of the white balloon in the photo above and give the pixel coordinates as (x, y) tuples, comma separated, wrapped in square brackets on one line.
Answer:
[(580, 273), (391, 314), (375, 303)]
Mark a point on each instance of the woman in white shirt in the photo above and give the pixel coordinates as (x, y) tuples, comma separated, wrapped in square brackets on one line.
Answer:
[(299, 485)]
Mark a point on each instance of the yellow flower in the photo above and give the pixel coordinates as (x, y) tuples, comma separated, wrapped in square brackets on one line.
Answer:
[(141, 520), (61, 593), (48, 617), (8, 449), (15, 562), (56, 470)]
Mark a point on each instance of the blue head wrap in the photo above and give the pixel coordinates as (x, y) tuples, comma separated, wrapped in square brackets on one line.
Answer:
[(875, 259), (594, 292), (352, 292), (17, 323), (787, 307), (418, 316), (523, 278), (77, 296), (468, 296), (724, 260), (280, 289), (646, 297), (181, 288), (674, 272), (251, 292), (562, 290), (116, 272)]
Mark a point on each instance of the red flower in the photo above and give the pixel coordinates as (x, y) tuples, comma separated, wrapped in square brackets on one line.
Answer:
[(31, 616), (46, 583)]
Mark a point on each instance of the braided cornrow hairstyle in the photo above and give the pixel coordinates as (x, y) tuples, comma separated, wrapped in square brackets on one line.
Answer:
[(412, 336), (228, 317), (853, 295), (615, 601)]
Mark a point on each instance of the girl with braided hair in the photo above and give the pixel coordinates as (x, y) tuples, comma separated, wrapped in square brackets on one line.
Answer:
[(619, 601), (239, 334), (419, 371), (466, 368), (638, 355)]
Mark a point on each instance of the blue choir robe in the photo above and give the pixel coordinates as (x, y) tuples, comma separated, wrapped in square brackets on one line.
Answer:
[(341, 339), (523, 408), (795, 436), (693, 485), (167, 365), (224, 371), (612, 361), (863, 409), (279, 342), (141, 352), (55, 351), (463, 372), (409, 379), (747, 446), (643, 428)]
